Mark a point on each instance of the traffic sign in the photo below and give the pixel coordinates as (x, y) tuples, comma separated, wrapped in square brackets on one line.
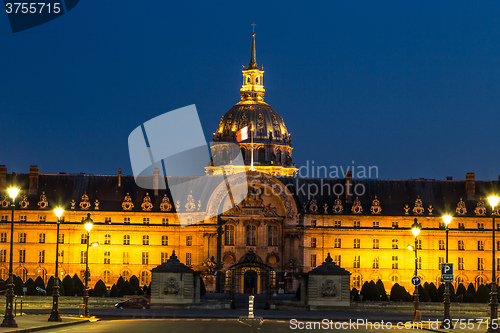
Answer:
[(447, 272), (416, 280)]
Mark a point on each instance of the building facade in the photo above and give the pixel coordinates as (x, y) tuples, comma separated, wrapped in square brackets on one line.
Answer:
[(284, 227)]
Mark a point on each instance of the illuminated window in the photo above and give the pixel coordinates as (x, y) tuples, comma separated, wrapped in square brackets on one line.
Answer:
[(145, 258), (126, 220), (419, 244), (145, 240), (395, 279), (164, 257), (394, 262), (376, 224), (41, 256), (83, 239), (480, 264), (441, 244), (375, 244), (272, 235), (125, 275), (22, 256), (107, 257), (336, 259), (357, 224), (107, 239), (272, 278), (356, 262), (164, 240), (22, 237), (375, 263), (480, 245), (460, 264), (83, 257), (125, 258), (188, 259), (251, 235), (313, 260), (395, 224), (189, 240), (145, 278), (461, 245), (126, 239), (337, 224), (106, 276), (3, 255), (229, 235), (395, 243), (3, 237), (41, 238), (61, 257), (337, 243), (356, 281), (313, 242), (61, 238), (357, 243)]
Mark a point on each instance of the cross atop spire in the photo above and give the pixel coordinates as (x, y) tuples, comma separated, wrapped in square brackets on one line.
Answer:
[(253, 27), (253, 56)]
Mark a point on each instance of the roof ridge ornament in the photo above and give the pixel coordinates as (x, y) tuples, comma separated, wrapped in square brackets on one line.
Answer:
[(43, 203), (419, 207), (127, 203), (461, 210), (480, 209), (375, 208)]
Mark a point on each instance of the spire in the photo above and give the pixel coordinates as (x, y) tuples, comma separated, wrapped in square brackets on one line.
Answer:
[(253, 56)]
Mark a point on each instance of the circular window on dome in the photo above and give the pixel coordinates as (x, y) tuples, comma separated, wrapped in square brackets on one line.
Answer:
[(229, 259), (272, 260)]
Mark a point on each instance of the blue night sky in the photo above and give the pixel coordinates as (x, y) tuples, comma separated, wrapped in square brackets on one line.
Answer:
[(410, 87)]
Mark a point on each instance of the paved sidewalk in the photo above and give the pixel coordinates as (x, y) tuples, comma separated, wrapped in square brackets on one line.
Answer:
[(32, 323)]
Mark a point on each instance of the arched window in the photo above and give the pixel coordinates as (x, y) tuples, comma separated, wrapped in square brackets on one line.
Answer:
[(278, 155), (262, 155), (395, 279), (229, 234), (272, 233), (125, 274), (3, 273), (106, 276), (145, 278), (257, 80), (251, 235), (23, 274), (479, 281), (356, 281)]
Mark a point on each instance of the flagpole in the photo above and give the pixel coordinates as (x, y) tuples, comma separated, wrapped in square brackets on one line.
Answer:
[(251, 165)]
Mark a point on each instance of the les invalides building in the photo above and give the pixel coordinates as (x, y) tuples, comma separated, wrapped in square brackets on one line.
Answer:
[(285, 226)]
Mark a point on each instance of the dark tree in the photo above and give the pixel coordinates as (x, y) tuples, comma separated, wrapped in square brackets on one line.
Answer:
[(203, 290), (396, 295), (30, 285), (100, 289), (148, 291), (423, 295), (120, 282), (355, 295), (69, 286), (364, 289), (79, 287), (134, 282), (432, 291), (18, 286), (482, 294), (381, 291), (114, 292), (126, 289), (40, 284), (461, 293)]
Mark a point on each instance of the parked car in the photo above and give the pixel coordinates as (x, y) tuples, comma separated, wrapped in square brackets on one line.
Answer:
[(134, 302)]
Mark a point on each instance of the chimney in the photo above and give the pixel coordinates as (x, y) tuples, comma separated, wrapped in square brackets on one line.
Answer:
[(3, 177), (120, 177), (470, 185), (449, 177), (33, 179), (156, 179), (348, 186)]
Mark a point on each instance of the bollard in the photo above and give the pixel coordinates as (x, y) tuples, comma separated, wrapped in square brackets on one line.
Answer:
[(15, 306), (250, 306), (21, 305)]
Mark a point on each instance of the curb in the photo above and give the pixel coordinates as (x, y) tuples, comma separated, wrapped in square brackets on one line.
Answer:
[(41, 328)]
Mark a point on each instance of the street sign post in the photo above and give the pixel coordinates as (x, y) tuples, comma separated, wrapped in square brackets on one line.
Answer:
[(416, 280), (447, 272)]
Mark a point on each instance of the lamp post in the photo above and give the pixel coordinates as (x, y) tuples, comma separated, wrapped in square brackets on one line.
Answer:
[(493, 200), (54, 315), (88, 226), (415, 229), (447, 219), (8, 320)]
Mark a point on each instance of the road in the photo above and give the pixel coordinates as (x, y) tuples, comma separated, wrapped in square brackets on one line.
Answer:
[(203, 326)]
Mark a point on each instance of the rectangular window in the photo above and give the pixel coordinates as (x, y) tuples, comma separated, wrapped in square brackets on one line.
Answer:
[(22, 218), (188, 259), (461, 225), (107, 239), (441, 261), (164, 221), (164, 240), (336, 259), (41, 238), (272, 235), (83, 257), (356, 263), (41, 218), (313, 242), (442, 225), (375, 263), (126, 239), (395, 243), (22, 256), (145, 220), (419, 262), (337, 224), (251, 235), (107, 220), (189, 240), (126, 220), (3, 237), (145, 258), (441, 244), (376, 224), (394, 262), (480, 226), (164, 257), (125, 258), (337, 243), (357, 243), (376, 244), (61, 238), (461, 245), (107, 257), (61, 257), (22, 237), (3, 255), (313, 260), (480, 264), (83, 239), (460, 264), (498, 264), (480, 245), (395, 224), (145, 240), (313, 223), (41, 256), (498, 245), (4, 218), (357, 224), (419, 244)]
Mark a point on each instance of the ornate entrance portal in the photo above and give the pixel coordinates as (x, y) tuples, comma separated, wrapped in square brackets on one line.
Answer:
[(250, 282), (250, 275)]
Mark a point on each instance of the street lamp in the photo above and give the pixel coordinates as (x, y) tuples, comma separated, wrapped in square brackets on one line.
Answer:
[(54, 315), (493, 200), (8, 320), (447, 219), (415, 229), (88, 226)]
